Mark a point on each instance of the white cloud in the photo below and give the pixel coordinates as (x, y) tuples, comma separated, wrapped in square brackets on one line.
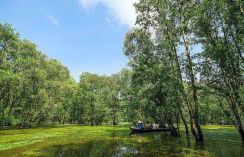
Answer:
[(122, 10), (53, 20)]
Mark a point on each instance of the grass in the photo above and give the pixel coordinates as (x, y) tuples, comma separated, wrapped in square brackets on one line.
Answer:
[(220, 132), (21, 137), (29, 141)]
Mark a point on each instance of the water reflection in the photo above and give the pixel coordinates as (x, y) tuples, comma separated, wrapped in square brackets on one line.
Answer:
[(122, 151), (146, 145), (96, 148)]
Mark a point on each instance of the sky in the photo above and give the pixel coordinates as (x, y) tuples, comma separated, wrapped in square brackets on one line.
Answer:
[(84, 35)]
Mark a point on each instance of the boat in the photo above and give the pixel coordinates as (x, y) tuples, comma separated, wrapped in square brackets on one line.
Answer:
[(143, 130)]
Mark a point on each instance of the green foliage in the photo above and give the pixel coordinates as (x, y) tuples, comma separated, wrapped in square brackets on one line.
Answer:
[(34, 88), (189, 54), (185, 65), (100, 96)]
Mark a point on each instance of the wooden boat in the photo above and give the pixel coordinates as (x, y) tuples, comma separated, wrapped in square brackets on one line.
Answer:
[(138, 131)]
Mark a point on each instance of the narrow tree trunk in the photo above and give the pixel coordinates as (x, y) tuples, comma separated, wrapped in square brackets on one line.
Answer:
[(114, 120), (178, 124), (194, 90), (192, 114), (234, 101), (184, 120), (172, 128), (238, 125), (184, 95)]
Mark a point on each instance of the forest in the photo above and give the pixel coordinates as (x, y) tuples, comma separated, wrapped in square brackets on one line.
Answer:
[(185, 70)]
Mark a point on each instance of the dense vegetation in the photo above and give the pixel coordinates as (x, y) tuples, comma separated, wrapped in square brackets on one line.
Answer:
[(188, 55), (185, 66), (34, 88)]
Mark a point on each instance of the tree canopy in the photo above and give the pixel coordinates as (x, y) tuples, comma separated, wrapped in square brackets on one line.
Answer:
[(185, 66)]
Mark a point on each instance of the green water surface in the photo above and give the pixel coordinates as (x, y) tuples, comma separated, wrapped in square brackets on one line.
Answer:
[(110, 141)]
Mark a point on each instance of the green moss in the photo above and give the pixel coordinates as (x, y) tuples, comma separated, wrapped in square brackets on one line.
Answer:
[(47, 141)]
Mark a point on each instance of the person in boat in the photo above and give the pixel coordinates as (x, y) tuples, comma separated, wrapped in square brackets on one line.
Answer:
[(155, 126), (139, 125), (162, 125)]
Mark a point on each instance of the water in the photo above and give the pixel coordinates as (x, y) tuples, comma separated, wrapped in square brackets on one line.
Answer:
[(147, 145), (158, 145), (118, 143)]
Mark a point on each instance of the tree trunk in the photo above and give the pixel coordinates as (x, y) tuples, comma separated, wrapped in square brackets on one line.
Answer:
[(114, 120), (238, 125), (194, 90), (184, 121), (184, 95), (185, 99), (172, 128)]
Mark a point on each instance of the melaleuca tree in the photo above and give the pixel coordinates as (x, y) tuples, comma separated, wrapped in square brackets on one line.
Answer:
[(34, 89), (92, 88), (171, 23), (152, 79), (219, 26)]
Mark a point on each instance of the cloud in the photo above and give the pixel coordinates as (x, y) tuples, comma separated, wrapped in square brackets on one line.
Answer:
[(122, 10), (53, 20)]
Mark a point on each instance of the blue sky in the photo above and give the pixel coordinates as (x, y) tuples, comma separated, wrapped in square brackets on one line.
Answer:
[(85, 35)]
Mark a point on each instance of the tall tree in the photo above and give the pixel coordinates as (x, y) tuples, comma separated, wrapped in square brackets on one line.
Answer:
[(219, 26), (170, 22)]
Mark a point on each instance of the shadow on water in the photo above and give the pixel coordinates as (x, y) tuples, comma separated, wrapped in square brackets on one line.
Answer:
[(96, 148), (158, 145)]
